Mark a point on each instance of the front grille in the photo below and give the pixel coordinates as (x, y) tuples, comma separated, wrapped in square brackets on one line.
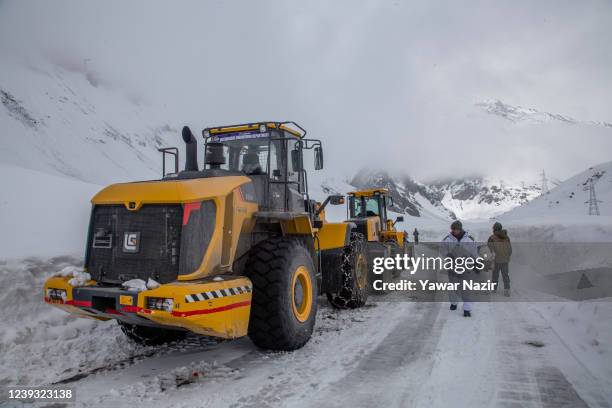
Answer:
[(138, 244)]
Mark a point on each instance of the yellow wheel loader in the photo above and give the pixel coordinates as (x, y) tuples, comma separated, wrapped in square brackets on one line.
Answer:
[(233, 249), (367, 210)]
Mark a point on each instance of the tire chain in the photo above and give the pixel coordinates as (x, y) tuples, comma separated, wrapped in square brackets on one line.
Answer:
[(347, 270)]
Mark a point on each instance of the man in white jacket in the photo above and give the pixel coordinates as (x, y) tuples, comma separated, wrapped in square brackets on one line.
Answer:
[(459, 244)]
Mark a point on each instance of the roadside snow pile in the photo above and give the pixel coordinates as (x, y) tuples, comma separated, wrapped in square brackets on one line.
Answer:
[(39, 343)]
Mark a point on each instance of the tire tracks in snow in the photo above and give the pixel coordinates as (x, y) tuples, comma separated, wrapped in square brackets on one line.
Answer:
[(528, 378), (385, 373), (391, 374)]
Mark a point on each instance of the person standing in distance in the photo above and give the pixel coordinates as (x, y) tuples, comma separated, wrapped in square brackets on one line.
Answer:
[(459, 244), (499, 245)]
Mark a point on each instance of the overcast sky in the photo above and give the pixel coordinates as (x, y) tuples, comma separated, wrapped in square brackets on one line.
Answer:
[(384, 83)]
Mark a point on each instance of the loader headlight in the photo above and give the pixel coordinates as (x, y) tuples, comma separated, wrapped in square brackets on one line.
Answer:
[(56, 294), (155, 303), (206, 133), (262, 128)]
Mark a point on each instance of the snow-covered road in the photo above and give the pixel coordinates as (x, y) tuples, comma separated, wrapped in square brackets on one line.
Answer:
[(389, 353)]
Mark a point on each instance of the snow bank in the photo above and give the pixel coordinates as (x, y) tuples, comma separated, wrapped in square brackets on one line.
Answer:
[(40, 343), (42, 214)]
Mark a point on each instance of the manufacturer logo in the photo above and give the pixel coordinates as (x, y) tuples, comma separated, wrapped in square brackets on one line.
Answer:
[(131, 242)]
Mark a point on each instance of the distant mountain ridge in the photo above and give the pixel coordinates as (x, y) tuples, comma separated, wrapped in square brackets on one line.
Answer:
[(463, 198), (518, 114)]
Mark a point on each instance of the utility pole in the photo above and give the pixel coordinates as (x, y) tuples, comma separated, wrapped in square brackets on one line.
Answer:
[(593, 201), (544, 183)]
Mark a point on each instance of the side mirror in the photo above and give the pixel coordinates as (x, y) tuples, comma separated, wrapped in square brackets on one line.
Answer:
[(391, 203), (336, 200), (318, 157), (400, 219), (333, 200), (295, 160)]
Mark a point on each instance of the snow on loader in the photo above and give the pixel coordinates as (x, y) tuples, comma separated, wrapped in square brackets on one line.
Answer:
[(237, 248), (367, 209)]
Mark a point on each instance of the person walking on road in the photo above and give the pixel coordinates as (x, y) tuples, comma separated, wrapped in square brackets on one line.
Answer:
[(499, 244), (415, 234), (459, 244)]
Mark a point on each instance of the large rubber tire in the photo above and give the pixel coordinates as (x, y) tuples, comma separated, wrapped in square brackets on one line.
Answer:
[(284, 302), (150, 336), (353, 292)]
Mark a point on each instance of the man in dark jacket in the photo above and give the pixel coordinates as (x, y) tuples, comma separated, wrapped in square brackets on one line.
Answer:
[(415, 234), (499, 244)]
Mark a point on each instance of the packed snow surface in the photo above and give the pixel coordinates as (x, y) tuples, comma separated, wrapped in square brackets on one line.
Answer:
[(391, 353)]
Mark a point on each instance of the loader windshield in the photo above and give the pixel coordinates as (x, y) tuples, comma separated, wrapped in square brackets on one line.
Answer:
[(364, 206), (252, 156)]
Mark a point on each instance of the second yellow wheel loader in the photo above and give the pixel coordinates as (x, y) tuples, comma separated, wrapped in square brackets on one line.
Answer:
[(235, 248), (368, 210)]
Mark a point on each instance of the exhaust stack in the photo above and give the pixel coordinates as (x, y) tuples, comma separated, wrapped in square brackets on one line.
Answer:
[(191, 153)]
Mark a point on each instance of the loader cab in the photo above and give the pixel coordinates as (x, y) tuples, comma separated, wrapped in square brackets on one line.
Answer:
[(271, 154), (369, 203)]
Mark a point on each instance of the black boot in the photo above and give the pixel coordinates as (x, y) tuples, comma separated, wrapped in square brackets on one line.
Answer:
[(467, 313), (453, 307)]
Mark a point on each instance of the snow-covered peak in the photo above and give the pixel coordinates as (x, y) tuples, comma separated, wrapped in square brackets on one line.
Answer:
[(463, 198), (520, 114)]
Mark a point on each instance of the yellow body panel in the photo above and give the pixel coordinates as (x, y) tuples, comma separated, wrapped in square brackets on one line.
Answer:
[(373, 228), (251, 127), (369, 193), (226, 316), (232, 213), (168, 191), (300, 225), (238, 220), (332, 235), (397, 236)]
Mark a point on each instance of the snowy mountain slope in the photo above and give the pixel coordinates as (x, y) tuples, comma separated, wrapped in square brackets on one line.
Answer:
[(45, 214), (408, 195), (480, 198), (566, 202), (520, 114), (68, 123), (463, 198)]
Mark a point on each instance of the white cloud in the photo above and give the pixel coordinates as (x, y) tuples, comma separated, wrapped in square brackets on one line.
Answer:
[(387, 83)]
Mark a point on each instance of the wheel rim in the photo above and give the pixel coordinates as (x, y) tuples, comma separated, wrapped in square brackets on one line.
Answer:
[(361, 270), (301, 294)]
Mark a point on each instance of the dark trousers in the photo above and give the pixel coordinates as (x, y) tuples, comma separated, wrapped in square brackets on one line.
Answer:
[(503, 268)]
